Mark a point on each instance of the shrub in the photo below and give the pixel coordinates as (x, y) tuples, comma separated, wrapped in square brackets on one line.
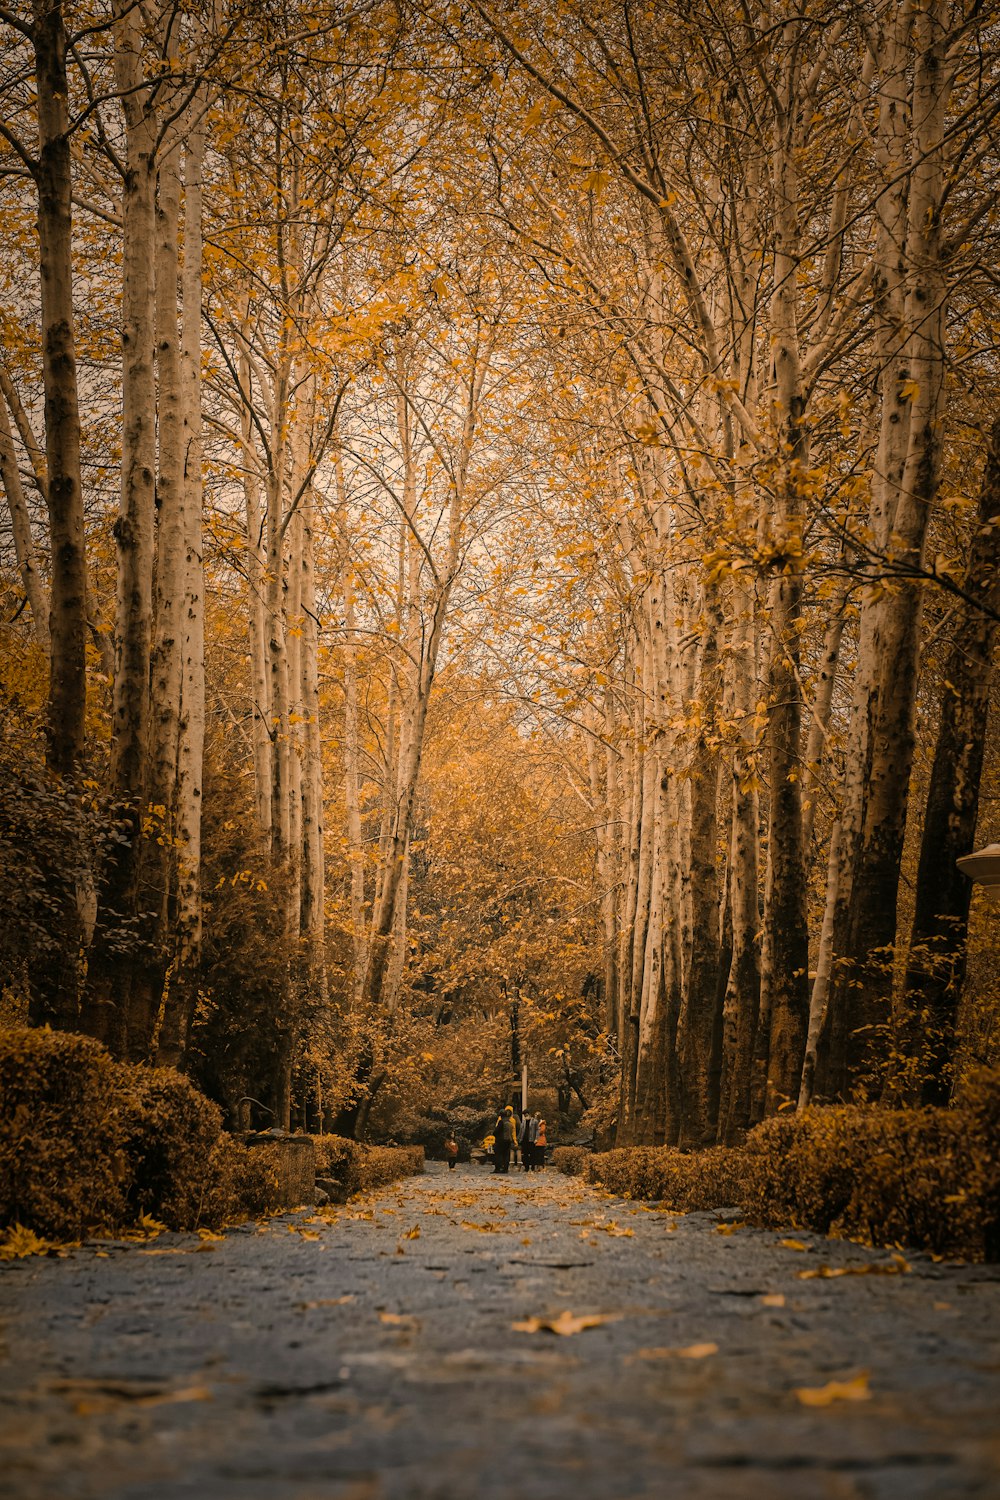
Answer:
[(357, 1168), (927, 1178), (571, 1160), (89, 1144), (168, 1132), (62, 1170), (680, 1180), (241, 1183)]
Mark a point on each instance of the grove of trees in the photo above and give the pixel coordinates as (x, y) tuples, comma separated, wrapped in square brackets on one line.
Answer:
[(501, 549)]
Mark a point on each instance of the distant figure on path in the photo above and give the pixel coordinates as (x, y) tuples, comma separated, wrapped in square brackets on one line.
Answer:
[(505, 1131), (527, 1138), (540, 1145), (451, 1149)]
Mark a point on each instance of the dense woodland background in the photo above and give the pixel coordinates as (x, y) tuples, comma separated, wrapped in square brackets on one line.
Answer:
[(500, 554)]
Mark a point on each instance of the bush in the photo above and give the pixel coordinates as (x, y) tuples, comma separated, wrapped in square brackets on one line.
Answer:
[(242, 1183), (357, 1168), (62, 1169), (88, 1144), (680, 1180), (926, 1178), (571, 1160), (169, 1131)]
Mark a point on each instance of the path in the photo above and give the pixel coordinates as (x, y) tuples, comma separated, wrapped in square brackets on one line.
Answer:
[(361, 1360)]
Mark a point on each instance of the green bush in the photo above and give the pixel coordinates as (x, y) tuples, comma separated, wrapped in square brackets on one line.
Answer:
[(356, 1168), (62, 1169), (681, 1180)]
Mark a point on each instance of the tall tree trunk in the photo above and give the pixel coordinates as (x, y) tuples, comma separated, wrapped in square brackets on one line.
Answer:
[(936, 966), (697, 1027), (24, 543), (107, 1014), (257, 590), (785, 959), (64, 490), (742, 997), (860, 998), (183, 992)]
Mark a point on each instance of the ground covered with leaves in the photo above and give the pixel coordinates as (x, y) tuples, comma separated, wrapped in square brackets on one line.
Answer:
[(467, 1335)]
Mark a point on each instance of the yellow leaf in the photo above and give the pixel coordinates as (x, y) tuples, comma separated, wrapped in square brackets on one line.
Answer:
[(697, 1351), (412, 1234), (836, 1390), (19, 1242), (564, 1323), (772, 1299), (794, 1245), (398, 1320)]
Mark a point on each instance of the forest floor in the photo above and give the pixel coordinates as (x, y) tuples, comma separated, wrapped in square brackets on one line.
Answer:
[(392, 1353)]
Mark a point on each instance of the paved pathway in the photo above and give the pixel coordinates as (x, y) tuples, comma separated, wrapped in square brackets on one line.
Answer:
[(375, 1358)]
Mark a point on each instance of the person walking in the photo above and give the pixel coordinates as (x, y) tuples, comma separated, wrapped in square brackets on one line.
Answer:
[(526, 1139), (505, 1136), (540, 1145), (451, 1150)]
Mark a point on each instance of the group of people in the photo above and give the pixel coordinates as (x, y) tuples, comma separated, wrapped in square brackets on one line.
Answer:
[(511, 1135)]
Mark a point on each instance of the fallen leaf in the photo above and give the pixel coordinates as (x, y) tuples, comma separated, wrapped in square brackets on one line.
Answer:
[(773, 1299), (93, 1397), (836, 1390), (898, 1267), (942, 1307), (564, 1323), (794, 1245), (412, 1234), (729, 1228), (209, 1234), (692, 1351), (398, 1320), (19, 1242)]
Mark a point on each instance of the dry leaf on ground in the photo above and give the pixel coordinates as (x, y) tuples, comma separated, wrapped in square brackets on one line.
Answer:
[(412, 1234), (564, 1323), (898, 1267), (691, 1351), (794, 1245), (776, 1299), (836, 1390)]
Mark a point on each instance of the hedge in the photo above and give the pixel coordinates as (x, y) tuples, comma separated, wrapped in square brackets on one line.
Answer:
[(928, 1178), (681, 1181), (88, 1144), (353, 1167)]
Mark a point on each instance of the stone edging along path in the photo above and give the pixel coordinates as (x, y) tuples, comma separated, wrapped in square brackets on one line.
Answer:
[(467, 1335)]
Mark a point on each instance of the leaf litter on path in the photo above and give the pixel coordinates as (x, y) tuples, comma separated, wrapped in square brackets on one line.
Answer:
[(856, 1389), (565, 1323)]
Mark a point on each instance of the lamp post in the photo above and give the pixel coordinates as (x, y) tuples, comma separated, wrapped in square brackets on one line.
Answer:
[(983, 868)]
